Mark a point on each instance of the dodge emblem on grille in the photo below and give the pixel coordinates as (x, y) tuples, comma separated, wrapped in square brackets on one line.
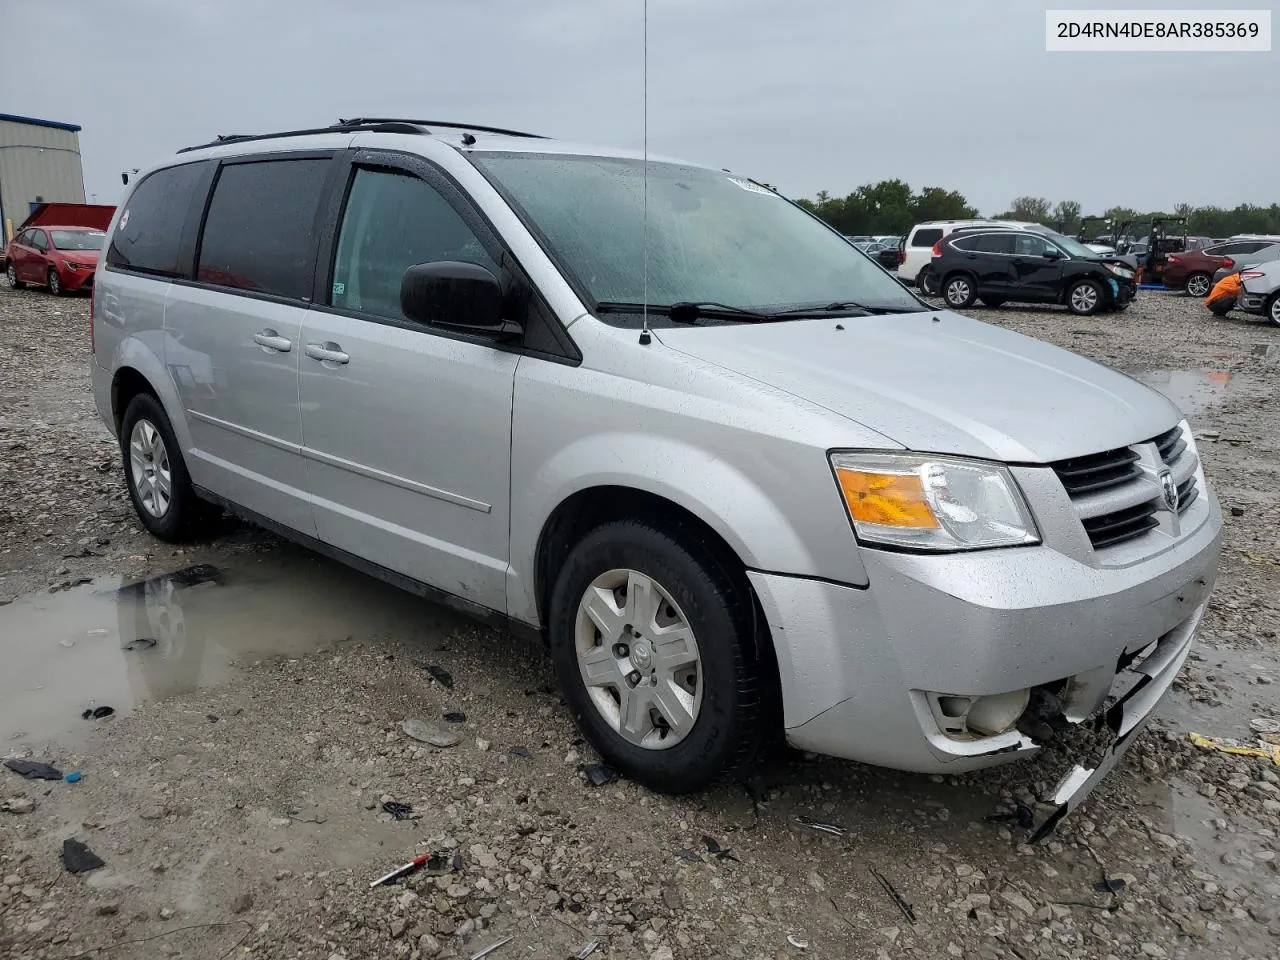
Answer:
[(1170, 491)]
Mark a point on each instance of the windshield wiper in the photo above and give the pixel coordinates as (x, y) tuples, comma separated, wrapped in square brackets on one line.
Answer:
[(840, 306), (686, 311)]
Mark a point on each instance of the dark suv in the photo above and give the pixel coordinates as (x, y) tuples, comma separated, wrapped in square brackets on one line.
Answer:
[(996, 265)]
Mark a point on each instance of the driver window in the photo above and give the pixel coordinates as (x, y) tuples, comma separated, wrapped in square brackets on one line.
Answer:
[(393, 221), (39, 241)]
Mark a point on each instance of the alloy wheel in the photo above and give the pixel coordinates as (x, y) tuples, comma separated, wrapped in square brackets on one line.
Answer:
[(638, 659), (149, 467), (958, 291), (1084, 298), (1198, 286)]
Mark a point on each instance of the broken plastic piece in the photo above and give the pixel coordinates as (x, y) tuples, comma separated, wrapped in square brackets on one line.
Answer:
[(600, 774), (142, 643), (97, 713), (78, 858), (437, 673), (75, 776), (896, 897), (1109, 885), (832, 828), (688, 856), (714, 848), (592, 946), (398, 811), (489, 949), (797, 942), (34, 770), (1022, 815), (1239, 748)]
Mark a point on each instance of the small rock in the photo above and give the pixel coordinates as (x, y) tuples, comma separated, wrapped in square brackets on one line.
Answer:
[(398, 926), (1015, 899), (37, 926), (166, 913), (662, 953), (242, 903), (1150, 949), (151, 812), (18, 805), (428, 946), (465, 929), (429, 733), (482, 744), (107, 909)]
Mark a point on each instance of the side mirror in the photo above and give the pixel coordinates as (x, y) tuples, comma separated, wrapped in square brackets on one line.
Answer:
[(462, 296), (1053, 253)]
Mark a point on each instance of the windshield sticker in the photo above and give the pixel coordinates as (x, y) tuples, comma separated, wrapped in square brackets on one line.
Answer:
[(339, 288), (751, 187), (124, 219)]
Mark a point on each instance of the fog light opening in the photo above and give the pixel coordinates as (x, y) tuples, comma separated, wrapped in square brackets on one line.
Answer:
[(954, 708), (993, 715)]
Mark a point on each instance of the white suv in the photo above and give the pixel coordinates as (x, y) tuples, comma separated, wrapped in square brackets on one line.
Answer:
[(917, 249)]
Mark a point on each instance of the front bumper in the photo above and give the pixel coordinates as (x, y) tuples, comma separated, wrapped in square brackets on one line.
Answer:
[(858, 665), (73, 280)]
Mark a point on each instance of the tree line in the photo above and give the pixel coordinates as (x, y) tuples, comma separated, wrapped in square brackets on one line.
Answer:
[(891, 207)]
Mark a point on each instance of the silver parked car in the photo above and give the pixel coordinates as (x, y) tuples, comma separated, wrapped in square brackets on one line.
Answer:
[(1260, 290), (740, 480)]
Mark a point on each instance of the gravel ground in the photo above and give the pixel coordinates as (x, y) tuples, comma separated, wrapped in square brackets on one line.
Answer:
[(236, 796)]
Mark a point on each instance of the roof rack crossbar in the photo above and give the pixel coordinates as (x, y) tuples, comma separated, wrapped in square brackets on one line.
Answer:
[(366, 121), (366, 124)]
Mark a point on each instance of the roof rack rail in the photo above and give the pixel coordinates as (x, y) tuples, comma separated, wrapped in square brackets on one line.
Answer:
[(366, 124), (366, 121)]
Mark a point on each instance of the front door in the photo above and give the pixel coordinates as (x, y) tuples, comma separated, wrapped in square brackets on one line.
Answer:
[(1037, 267), (408, 428), (233, 338), (33, 259)]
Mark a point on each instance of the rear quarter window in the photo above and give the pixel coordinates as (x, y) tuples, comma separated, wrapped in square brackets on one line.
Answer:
[(926, 237), (148, 237)]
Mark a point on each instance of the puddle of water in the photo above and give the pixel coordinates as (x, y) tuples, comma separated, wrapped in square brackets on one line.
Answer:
[(1194, 391), (1230, 677), (114, 644)]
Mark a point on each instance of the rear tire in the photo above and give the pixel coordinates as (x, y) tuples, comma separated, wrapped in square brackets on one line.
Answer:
[(927, 282), (55, 283), (156, 475), (608, 607), (1085, 298), (959, 291), (12, 273), (1198, 285)]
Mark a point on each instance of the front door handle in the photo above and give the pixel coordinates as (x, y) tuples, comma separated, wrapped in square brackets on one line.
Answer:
[(326, 352), (270, 341)]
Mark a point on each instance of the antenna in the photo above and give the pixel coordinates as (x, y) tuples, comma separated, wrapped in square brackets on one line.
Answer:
[(645, 336)]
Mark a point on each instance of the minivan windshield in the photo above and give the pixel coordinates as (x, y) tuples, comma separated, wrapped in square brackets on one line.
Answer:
[(78, 239), (713, 238)]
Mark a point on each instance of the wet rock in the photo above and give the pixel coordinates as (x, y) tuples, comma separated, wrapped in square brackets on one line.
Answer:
[(430, 733)]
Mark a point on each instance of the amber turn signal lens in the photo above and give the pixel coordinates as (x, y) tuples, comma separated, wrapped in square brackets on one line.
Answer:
[(886, 499)]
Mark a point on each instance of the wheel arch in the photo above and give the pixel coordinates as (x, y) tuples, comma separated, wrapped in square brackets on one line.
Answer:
[(137, 368)]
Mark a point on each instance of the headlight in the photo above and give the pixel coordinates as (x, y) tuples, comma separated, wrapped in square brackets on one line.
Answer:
[(1120, 271), (932, 503)]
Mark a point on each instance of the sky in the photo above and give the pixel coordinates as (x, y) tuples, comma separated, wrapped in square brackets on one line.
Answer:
[(807, 95)]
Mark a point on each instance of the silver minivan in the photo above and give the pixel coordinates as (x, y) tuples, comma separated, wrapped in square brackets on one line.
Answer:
[(739, 479)]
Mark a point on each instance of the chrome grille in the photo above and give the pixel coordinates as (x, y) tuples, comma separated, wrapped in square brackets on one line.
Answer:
[(1116, 494)]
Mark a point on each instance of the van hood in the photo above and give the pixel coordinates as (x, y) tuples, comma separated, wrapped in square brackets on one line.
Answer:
[(942, 383)]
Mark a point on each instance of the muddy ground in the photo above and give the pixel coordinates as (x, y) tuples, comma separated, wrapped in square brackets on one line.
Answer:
[(236, 795)]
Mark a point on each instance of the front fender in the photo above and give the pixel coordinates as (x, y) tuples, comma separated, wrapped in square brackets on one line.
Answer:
[(714, 490)]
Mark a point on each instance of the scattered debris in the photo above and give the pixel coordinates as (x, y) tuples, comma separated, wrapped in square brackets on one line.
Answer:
[(489, 949), (416, 863), (714, 848), (600, 774), (1237, 511), (77, 858), (17, 805), (1264, 725), (1022, 815), (832, 828), (141, 643), (688, 856), (1240, 748), (211, 717), (893, 894), (75, 776), (34, 770), (426, 732), (455, 716), (437, 673), (97, 713), (523, 752), (798, 942), (592, 946), (399, 811), (1110, 885)]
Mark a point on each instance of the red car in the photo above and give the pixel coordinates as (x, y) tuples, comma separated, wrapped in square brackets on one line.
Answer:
[(60, 258)]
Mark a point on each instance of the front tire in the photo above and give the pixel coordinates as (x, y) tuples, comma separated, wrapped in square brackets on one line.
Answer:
[(156, 475), (927, 282), (1085, 298), (654, 645), (959, 291), (55, 283), (1198, 285), (1273, 309), (12, 273)]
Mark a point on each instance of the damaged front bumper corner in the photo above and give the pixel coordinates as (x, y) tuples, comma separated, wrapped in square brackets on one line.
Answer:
[(1124, 714)]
